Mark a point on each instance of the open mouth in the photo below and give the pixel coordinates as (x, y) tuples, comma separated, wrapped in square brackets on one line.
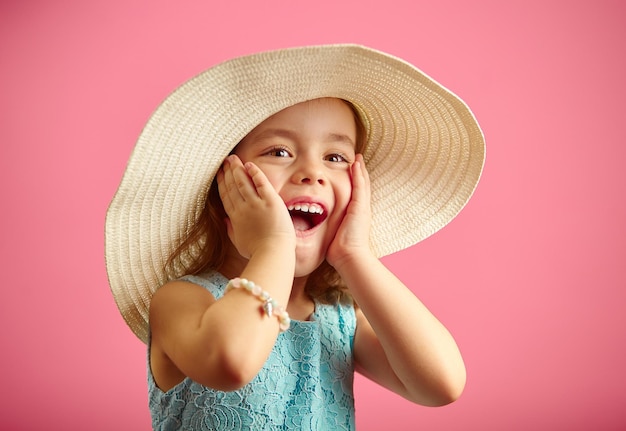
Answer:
[(306, 216)]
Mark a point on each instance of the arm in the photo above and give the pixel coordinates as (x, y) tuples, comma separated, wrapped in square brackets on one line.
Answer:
[(223, 344), (398, 343)]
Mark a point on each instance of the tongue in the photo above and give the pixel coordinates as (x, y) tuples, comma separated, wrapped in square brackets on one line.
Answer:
[(300, 223)]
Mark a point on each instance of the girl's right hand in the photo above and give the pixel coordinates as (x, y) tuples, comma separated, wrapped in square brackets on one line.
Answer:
[(257, 216)]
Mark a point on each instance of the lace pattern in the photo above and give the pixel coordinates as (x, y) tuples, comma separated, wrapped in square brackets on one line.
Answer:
[(306, 384)]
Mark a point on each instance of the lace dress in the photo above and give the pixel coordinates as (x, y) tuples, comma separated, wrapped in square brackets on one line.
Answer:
[(306, 384)]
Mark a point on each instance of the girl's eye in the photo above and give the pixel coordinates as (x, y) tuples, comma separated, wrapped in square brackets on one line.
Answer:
[(278, 152), (336, 158)]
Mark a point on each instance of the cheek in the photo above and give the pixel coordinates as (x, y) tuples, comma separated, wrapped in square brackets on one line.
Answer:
[(274, 176), (343, 191)]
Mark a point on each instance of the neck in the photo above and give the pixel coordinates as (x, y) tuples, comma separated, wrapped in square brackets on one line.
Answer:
[(297, 289), (300, 306), (234, 264)]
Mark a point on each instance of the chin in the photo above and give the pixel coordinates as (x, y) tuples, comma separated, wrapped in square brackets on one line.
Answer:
[(304, 270), (306, 266)]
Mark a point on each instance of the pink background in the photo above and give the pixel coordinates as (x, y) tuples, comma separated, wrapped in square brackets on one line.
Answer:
[(530, 278)]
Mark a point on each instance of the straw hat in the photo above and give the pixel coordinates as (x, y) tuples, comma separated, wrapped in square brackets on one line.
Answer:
[(424, 154)]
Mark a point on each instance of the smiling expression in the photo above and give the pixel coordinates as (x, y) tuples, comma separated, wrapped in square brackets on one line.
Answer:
[(306, 152)]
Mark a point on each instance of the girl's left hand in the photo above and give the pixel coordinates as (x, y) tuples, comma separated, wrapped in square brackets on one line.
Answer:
[(352, 237)]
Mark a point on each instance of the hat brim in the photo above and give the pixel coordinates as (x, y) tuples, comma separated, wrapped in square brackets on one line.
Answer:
[(425, 152)]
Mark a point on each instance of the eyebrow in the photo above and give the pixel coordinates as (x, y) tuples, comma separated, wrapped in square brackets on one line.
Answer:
[(292, 135)]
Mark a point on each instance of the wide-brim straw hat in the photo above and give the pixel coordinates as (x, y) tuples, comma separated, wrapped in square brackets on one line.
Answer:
[(424, 154)]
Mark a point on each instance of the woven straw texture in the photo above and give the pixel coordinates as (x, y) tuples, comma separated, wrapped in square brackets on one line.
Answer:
[(425, 154)]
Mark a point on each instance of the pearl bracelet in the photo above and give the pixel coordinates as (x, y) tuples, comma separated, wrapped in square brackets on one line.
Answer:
[(269, 307)]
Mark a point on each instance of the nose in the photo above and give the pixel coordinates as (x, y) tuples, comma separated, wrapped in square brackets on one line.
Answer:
[(309, 172), (307, 180)]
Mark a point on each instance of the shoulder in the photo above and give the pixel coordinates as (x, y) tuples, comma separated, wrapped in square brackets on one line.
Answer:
[(189, 293), (212, 281), (209, 285), (178, 296)]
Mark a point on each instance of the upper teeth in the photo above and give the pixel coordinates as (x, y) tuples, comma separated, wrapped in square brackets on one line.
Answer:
[(307, 208)]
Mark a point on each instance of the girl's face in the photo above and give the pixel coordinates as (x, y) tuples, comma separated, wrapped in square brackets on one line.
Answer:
[(306, 152)]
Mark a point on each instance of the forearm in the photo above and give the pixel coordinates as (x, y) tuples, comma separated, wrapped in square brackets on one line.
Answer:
[(234, 334), (419, 349), (239, 334)]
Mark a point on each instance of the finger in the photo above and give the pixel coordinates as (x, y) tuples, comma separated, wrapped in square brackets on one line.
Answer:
[(360, 181), (263, 187), (234, 180), (356, 175), (242, 180), (363, 169), (229, 192), (223, 191)]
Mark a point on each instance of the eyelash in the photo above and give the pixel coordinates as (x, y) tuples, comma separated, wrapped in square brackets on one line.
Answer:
[(343, 157), (275, 150), (272, 151)]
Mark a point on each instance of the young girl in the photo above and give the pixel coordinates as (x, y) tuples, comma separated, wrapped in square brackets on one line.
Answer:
[(243, 243)]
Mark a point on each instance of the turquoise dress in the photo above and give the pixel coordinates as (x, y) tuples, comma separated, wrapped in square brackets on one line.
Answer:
[(306, 384)]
